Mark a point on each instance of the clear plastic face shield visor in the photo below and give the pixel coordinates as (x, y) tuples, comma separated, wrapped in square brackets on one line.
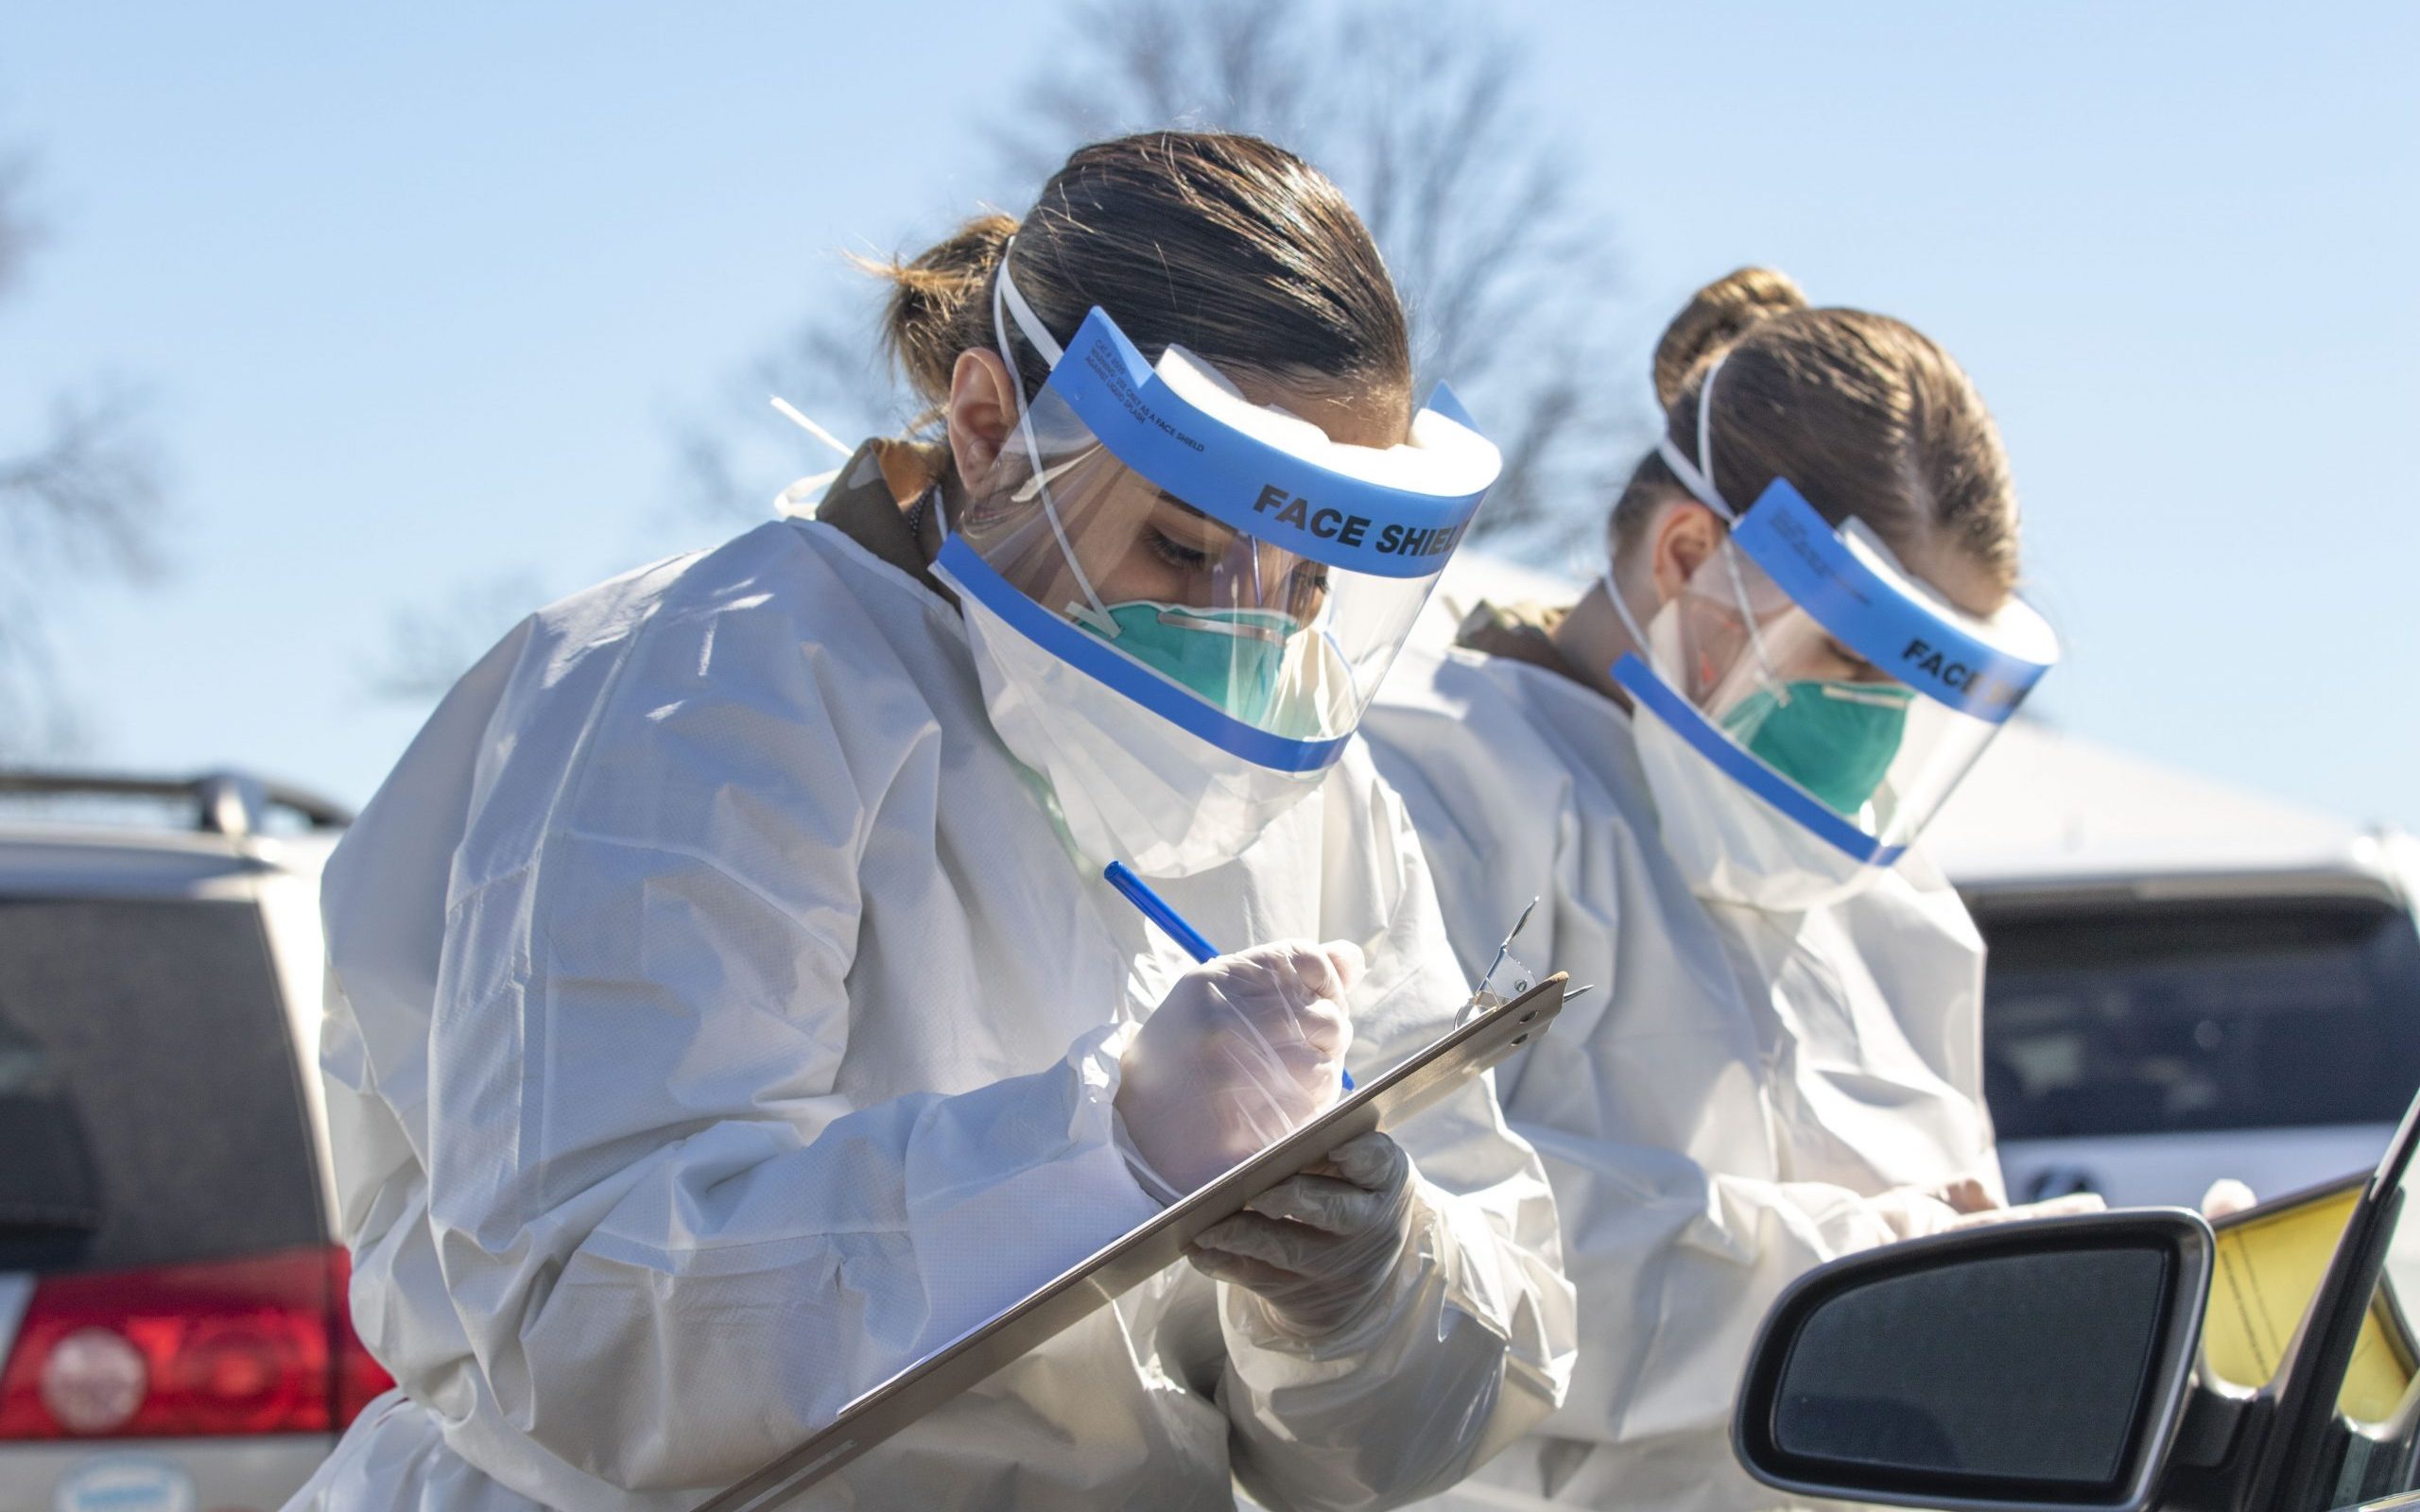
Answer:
[(1830, 700), (1225, 565)]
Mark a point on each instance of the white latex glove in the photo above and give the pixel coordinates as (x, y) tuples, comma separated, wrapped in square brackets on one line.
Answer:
[(1970, 1193), (2074, 1202), (2226, 1197), (1318, 1247), (1910, 1213), (1244, 1050)]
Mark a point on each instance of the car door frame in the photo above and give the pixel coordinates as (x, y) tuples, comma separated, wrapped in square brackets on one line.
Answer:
[(2286, 1469)]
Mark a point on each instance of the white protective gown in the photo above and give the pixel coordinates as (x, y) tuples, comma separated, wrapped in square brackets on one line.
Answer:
[(1716, 1113), (716, 1025)]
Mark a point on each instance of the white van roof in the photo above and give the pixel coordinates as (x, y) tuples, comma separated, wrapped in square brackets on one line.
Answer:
[(2046, 806), (2043, 804)]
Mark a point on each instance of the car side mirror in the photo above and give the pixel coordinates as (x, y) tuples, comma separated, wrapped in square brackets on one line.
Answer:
[(2037, 1363)]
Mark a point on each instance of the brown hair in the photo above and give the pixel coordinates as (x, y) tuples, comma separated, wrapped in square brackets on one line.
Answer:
[(1225, 245), (1863, 414)]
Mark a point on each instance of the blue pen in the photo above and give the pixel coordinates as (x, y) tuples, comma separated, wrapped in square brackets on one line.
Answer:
[(1173, 924)]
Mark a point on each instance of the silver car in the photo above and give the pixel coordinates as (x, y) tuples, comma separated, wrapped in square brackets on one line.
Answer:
[(172, 1293), (2058, 1363), (2184, 981)]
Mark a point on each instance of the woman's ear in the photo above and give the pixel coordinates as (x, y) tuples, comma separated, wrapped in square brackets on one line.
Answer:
[(1685, 536), (981, 414)]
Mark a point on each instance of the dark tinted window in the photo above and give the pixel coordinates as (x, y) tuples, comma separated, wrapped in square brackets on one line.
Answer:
[(150, 1108), (2150, 1018)]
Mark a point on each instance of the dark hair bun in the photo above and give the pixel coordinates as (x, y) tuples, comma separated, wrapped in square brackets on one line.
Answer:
[(1228, 245), (931, 299), (1717, 316)]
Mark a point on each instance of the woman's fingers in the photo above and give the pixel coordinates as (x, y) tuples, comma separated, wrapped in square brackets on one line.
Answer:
[(1237, 1270), (1372, 1161), (1322, 1202), (1275, 1241)]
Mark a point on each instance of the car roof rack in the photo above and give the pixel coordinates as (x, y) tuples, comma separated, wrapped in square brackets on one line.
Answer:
[(235, 804)]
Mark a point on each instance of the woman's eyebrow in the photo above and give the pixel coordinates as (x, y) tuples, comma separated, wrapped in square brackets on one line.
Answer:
[(1227, 533)]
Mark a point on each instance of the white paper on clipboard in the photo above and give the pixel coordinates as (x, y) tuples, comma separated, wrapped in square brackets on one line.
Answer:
[(1382, 1103)]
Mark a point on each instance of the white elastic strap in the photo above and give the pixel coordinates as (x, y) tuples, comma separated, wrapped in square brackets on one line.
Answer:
[(1006, 301), (810, 427), (799, 500), (1033, 486), (1699, 480), (940, 512), (1629, 621), (1698, 477), (1690, 477), (1027, 320), (1706, 431), (1647, 653)]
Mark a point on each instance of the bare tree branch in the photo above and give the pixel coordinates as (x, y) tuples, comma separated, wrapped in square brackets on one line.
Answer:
[(428, 650), (82, 502), (86, 497), (1424, 116), (17, 231)]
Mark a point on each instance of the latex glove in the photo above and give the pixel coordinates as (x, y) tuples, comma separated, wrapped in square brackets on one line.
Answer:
[(1317, 1247), (1910, 1213), (1970, 1193), (1966, 1203), (2074, 1202), (2226, 1197), (1244, 1050)]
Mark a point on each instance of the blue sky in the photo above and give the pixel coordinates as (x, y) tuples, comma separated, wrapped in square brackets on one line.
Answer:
[(420, 294)]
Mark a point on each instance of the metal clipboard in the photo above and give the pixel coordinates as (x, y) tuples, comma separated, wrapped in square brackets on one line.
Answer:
[(1384, 1102)]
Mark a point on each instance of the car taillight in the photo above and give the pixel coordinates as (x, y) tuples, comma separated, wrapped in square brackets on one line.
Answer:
[(357, 1377), (261, 1344)]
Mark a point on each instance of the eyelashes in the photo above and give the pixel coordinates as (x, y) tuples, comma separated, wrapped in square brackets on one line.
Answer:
[(1176, 553), (1305, 591)]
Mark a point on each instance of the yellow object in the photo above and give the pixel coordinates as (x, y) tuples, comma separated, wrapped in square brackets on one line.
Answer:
[(2270, 1263)]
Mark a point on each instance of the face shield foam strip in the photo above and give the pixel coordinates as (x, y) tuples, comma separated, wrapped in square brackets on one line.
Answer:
[(1259, 488), (1876, 618), (1793, 801), (1097, 660)]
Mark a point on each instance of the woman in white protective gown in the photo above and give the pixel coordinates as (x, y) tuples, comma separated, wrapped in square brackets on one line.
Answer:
[(1711, 770), (726, 1007)]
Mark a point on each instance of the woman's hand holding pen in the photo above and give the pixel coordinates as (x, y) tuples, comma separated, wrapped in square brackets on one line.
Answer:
[(1243, 1050)]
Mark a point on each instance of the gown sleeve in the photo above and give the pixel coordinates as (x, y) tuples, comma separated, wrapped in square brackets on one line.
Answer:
[(1470, 1344), (674, 1250)]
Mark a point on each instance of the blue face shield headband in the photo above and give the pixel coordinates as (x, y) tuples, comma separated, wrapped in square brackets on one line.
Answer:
[(1226, 566)]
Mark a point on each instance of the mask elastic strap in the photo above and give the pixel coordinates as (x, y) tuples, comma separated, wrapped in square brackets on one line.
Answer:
[(1006, 301), (1028, 324), (1621, 607), (1699, 479)]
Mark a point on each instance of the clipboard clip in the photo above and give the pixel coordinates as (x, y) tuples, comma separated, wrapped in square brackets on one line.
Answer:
[(1506, 978)]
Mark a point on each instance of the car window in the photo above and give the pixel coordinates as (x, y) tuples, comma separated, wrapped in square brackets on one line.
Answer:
[(149, 1102), (2374, 1439), (2146, 1018)]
